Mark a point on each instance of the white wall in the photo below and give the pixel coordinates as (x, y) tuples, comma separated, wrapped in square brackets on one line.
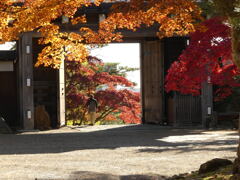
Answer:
[(6, 66)]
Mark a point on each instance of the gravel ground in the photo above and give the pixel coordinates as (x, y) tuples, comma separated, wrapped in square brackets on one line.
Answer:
[(111, 152)]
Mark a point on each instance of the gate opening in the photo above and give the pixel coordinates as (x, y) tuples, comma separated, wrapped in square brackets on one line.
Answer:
[(123, 59)]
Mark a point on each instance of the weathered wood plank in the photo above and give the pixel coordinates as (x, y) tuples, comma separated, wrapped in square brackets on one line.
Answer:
[(188, 110), (152, 81)]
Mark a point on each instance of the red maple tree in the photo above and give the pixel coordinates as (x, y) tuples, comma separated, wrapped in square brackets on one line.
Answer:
[(207, 58), (83, 79)]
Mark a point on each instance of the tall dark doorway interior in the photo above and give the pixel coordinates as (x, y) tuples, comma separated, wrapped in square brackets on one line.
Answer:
[(45, 86)]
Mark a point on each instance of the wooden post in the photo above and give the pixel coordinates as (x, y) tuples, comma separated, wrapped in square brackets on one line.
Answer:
[(25, 82), (61, 97), (152, 81), (141, 80), (207, 103)]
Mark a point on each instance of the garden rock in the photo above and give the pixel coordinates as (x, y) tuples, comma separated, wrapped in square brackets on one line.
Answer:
[(213, 165)]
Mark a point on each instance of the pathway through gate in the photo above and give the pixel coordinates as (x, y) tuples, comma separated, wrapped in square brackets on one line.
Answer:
[(111, 151)]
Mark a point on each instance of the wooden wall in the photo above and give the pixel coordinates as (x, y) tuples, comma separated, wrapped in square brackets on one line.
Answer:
[(188, 110)]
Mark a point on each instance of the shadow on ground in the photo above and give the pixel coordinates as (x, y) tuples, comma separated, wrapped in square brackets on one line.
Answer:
[(149, 137), (86, 175)]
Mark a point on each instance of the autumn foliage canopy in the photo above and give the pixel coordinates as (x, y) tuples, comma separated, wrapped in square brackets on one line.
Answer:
[(172, 17), (207, 58)]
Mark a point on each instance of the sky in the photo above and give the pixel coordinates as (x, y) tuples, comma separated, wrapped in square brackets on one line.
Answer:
[(6, 46), (127, 54)]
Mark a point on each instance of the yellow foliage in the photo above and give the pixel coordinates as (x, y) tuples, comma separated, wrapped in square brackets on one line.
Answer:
[(173, 17), (81, 19)]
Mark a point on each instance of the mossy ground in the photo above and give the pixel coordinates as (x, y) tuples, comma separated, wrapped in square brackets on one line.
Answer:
[(221, 174)]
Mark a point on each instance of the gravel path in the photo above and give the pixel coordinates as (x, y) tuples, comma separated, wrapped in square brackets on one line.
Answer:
[(108, 152)]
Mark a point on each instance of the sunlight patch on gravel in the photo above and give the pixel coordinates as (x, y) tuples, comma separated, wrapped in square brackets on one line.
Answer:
[(198, 137), (74, 129)]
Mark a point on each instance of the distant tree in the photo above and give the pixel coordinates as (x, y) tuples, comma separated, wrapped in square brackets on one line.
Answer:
[(115, 69), (85, 78)]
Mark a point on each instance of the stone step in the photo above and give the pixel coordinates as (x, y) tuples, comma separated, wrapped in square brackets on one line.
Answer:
[(4, 128)]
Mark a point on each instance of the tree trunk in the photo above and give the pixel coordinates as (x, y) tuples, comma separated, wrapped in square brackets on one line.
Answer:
[(236, 58), (235, 33)]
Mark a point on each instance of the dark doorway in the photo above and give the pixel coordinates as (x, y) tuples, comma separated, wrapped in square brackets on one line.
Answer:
[(8, 89), (45, 86)]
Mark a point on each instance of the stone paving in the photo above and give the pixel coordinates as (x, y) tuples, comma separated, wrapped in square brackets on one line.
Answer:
[(111, 152)]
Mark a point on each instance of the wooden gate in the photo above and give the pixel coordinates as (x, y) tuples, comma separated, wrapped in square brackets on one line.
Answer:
[(152, 81), (187, 110)]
